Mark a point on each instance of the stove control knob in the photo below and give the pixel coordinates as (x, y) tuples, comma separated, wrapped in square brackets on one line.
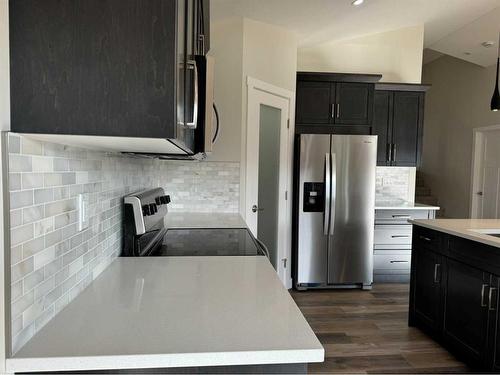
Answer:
[(158, 201), (165, 199), (153, 208), (145, 210)]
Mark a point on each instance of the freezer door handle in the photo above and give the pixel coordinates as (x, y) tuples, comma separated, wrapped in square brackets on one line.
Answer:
[(334, 192), (326, 217)]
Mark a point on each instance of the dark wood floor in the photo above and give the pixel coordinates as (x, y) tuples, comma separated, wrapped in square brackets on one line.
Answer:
[(367, 332)]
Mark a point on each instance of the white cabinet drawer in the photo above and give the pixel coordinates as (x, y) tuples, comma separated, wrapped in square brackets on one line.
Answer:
[(391, 262), (399, 216), (390, 236)]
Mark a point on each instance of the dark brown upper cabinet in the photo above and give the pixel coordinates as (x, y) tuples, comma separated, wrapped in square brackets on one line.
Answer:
[(398, 121), (314, 103), (335, 103), (105, 67)]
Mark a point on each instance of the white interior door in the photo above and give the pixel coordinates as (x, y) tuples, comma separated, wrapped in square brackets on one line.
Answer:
[(267, 175), (486, 189)]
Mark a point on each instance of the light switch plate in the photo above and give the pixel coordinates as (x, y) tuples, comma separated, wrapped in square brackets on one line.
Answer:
[(83, 211)]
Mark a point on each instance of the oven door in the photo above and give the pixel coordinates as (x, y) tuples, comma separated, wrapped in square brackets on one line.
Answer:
[(149, 243)]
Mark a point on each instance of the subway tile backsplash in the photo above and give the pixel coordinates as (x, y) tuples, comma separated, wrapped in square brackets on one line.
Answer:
[(51, 262), (395, 183)]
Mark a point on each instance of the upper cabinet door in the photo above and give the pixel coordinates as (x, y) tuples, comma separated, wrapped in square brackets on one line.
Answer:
[(93, 67), (203, 26), (314, 104), (382, 125), (354, 103), (407, 128)]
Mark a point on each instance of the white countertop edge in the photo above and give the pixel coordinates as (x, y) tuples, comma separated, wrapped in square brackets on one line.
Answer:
[(424, 208), (463, 233), (142, 361)]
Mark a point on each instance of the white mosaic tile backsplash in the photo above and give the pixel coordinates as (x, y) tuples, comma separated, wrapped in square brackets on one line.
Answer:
[(51, 262), (395, 183)]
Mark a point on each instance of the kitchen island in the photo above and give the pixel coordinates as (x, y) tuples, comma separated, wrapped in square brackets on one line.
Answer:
[(175, 313), (455, 281)]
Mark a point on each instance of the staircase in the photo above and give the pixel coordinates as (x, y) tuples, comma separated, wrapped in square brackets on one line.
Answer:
[(423, 193)]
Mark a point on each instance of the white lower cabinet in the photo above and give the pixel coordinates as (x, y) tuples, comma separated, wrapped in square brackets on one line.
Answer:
[(392, 244), (391, 265)]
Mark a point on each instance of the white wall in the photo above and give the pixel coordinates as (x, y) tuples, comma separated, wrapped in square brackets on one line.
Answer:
[(269, 55), (458, 101), (4, 125), (226, 46), (397, 55)]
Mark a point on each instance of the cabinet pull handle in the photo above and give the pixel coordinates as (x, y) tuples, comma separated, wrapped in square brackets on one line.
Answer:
[(338, 110), (399, 261), (491, 305), (400, 216), (389, 152), (437, 266), (483, 288), (333, 110), (425, 238), (394, 152), (400, 236)]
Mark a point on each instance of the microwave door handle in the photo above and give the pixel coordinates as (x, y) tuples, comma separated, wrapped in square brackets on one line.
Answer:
[(193, 125), (334, 193), (326, 216), (216, 135)]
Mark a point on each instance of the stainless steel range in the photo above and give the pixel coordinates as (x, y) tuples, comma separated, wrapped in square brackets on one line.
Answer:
[(145, 233)]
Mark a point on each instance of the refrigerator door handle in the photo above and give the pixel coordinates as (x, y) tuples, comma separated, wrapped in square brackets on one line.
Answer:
[(327, 195), (334, 192)]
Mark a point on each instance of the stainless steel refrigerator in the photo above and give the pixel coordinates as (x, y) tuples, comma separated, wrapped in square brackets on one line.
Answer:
[(336, 211)]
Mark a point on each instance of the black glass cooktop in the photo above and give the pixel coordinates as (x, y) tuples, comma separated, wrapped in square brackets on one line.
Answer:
[(208, 242)]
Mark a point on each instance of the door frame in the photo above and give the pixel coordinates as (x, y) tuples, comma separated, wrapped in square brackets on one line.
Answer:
[(254, 87), (479, 136)]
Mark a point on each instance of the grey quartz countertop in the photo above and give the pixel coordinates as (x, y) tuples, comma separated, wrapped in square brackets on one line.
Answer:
[(159, 312), (402, 205), (203, 220), (471, 229)]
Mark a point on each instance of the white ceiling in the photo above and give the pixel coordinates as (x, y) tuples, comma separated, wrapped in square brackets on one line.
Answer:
[(316, 21), (465, 43)]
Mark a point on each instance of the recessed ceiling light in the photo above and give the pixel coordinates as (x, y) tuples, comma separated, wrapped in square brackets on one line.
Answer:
[(488, 44), (357, 2)]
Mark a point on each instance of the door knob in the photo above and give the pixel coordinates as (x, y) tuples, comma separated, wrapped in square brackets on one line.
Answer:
[(255, 208), (479, 193)]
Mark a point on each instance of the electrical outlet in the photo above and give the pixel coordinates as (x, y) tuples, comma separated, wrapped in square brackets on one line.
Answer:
[(83, 211)]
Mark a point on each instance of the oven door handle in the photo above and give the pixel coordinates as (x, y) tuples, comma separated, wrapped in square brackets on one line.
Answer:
[(158, 238), (263, 247)]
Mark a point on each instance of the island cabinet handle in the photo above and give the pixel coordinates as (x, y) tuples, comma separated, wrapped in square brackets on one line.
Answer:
[(400, 236), (491, 304), (437, 266), (483, 288), (399, 261), (425, 238), (401, 216)]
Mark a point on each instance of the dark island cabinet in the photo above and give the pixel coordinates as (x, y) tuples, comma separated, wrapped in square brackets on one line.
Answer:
[(398, 121), (457, 301), (466, 310), (427, 297), (335, 103)]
